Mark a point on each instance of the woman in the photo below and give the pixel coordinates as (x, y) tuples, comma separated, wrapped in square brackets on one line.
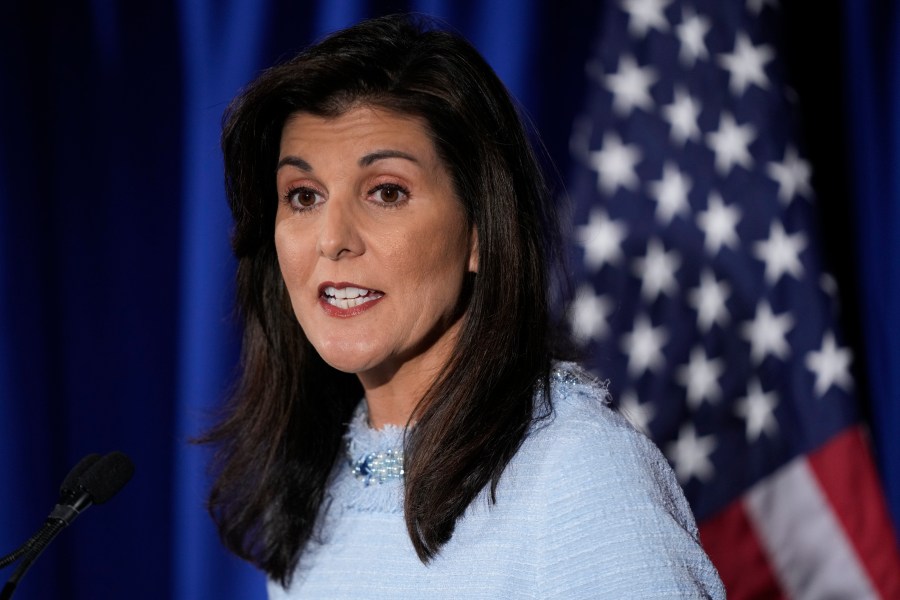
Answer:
[(400, 428)]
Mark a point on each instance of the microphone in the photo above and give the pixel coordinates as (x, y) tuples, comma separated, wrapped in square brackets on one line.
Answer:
[(94, 480), (101, 480), (68, 486)]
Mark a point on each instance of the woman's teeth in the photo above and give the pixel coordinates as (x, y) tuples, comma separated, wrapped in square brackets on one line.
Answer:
[(349, 297)]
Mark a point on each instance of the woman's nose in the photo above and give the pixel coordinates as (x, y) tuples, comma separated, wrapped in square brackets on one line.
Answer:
[(338, 231)]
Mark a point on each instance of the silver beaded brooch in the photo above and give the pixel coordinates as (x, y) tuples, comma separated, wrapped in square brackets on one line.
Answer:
[(378, 467)]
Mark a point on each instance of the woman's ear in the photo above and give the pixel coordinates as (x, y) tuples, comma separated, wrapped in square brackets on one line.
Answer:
[(473, 251)]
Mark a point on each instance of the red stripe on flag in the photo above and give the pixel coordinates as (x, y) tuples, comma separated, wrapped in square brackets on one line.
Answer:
[(731, 542), (846, 472)]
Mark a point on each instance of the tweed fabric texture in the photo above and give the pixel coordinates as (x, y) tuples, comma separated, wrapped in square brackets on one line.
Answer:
[(587, 508)]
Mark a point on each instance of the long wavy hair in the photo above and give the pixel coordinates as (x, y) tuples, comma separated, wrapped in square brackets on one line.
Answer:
[(282, 431)]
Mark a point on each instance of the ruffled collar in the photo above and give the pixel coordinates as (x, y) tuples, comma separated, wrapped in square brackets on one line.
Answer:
[(362, 439), (351, 492)]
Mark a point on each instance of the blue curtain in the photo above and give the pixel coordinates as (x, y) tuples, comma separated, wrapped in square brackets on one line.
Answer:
[(116, 325), (872, 53), (116, 273)]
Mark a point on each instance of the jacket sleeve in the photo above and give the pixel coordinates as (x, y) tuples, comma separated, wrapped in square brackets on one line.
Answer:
[(617, 524)]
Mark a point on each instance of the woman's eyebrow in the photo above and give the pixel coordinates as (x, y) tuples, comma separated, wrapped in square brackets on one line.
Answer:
[(370, 158), (294, 161)]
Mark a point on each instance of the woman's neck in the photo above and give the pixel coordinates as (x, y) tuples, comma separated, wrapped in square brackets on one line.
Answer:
[(392, 400)]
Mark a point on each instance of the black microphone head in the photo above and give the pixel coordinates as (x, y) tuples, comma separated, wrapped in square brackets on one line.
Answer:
[(106, 477), (70, 483)]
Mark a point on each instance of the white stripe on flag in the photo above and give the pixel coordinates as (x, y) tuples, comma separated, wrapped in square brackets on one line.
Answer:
[(809, 552)]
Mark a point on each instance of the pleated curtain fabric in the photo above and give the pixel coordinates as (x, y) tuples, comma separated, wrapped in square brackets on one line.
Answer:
[(117, 329)]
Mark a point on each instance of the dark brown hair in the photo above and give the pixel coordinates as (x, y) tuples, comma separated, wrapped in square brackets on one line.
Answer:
[(283, 430)]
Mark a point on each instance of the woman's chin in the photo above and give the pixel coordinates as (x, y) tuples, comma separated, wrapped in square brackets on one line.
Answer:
[(349, 361)]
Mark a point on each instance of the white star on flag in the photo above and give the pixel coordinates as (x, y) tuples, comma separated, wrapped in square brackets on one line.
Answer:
[(657, 271), (602, 240), (644, 15), (709, 301), (682, 117), (831, 366), (690, 454), (781, 253), (757, 409), (746, 64), (690, 32), (580, 140), (719, 224), (639, 414), (589, 314), (829, 286), (731, 144), (756, 6), (767, 333), (792, 175), (670, 193), (643, 345), (630, 86), (615, 164), (700, 376)]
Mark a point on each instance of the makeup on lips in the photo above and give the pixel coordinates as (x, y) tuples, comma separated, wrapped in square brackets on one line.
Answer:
[(346, 299)]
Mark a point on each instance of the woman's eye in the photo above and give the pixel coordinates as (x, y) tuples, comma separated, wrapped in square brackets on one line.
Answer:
[(303, 197), (389, 193)]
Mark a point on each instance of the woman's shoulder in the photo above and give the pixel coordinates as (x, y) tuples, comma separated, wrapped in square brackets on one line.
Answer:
[(610, 499), (580, 410), (582, 441)]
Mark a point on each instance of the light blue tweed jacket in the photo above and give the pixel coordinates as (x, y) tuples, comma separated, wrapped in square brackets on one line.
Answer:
[(588, 508)]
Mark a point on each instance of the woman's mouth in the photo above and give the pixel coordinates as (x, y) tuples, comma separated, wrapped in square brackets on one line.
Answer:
[(347, 297)]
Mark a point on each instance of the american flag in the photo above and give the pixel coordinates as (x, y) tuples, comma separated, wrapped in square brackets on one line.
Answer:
[(701, 295)]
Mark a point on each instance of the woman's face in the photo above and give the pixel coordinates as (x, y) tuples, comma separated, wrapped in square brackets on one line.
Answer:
[(372, 243)]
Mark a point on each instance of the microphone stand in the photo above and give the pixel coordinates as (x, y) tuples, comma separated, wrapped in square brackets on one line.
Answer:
[(15, 555), (40, 541), (94, 480)]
